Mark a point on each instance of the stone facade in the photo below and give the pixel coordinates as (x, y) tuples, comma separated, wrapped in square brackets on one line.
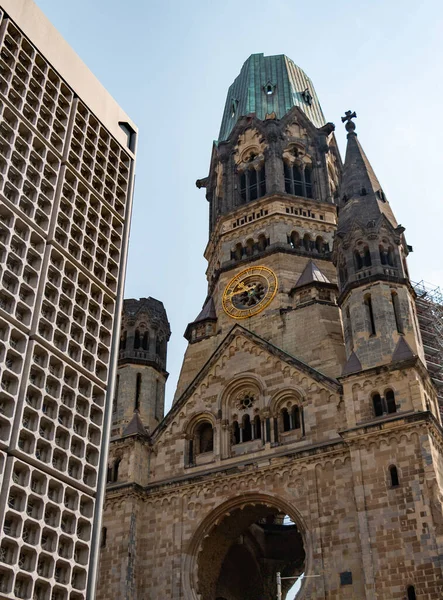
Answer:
[(305, 438)]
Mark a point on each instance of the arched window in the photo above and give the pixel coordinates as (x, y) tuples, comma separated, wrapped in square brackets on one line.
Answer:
[(369, 314), (145, 341), (411, 593), (286, 419), (378, 405), (358, 260), (319, 244), (294, 239), (235, 433), (263, 242), (307, 241), (393, 475), (160, 348), (238, 252), (204, 438), (247, 428), (252, 184), (137, 339), (257, 427), (396, 306), (383, 255), (250, 247), (113, 471), (390, 402)]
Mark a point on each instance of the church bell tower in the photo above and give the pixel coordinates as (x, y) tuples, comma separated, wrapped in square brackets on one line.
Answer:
[(305, 435)]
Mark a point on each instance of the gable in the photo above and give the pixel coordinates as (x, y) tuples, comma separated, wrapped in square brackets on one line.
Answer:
[(244, 360)]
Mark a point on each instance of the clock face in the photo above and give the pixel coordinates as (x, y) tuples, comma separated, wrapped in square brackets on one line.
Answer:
[(249, 292)]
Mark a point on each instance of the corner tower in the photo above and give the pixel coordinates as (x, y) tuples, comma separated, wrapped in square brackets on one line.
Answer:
[(271, 188), (370, 252), (141, 375)]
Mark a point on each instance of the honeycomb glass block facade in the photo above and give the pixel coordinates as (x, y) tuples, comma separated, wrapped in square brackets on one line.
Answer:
[(66, 173)]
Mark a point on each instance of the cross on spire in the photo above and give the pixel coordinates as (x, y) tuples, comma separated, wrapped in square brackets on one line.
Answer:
[(348, 116), (350, 125)]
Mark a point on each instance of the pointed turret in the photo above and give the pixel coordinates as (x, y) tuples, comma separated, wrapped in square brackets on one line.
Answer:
[(362, 198), (370, 254)]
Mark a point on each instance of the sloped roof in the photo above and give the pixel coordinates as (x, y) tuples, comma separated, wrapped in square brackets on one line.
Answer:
[(311, 274), (361, 192), (402, 350), (353, 365), (289, 84), (135, 426)]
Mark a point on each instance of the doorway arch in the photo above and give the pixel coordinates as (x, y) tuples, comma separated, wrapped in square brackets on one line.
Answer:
[(238, 548)]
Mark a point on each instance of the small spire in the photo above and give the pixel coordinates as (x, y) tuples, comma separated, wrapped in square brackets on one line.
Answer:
[(311, 274), (360, 184)]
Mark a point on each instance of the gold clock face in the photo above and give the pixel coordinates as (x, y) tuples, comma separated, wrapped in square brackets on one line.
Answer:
[(249, 292)]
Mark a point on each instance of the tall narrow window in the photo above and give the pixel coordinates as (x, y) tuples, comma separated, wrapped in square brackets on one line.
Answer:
[(288, 179), (247, 428), (319, 244), (411, 593), (308, 182), (257, 427), (157, 400), (262, 181), (137, 339), (294, 240), (145, 341), (286, 420), (397, 314), (138, 386), (235, 433), (252, 184), (307, 241), (297, 178), (205, 438), (393, 475), (370, 314), (103, 537), (117, 384), (378, 405), (358, 260), (367, 257), (349, 329), (123, 341), (390, 402), (295, 417)]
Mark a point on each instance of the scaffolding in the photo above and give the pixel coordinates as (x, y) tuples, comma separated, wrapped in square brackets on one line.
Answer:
[(429, 304)]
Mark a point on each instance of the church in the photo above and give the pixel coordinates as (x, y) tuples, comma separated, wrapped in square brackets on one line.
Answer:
[(305, 435)]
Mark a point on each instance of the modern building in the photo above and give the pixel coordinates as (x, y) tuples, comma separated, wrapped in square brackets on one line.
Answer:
[(305, 434), (67, 153)]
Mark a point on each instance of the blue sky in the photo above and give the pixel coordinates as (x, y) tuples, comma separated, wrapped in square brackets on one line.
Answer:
[(169, 64)]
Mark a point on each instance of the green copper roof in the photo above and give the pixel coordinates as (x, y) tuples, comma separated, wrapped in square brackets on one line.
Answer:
[(266, 85)]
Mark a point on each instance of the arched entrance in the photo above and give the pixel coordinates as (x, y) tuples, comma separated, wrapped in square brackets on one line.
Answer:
[(241, 546)]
